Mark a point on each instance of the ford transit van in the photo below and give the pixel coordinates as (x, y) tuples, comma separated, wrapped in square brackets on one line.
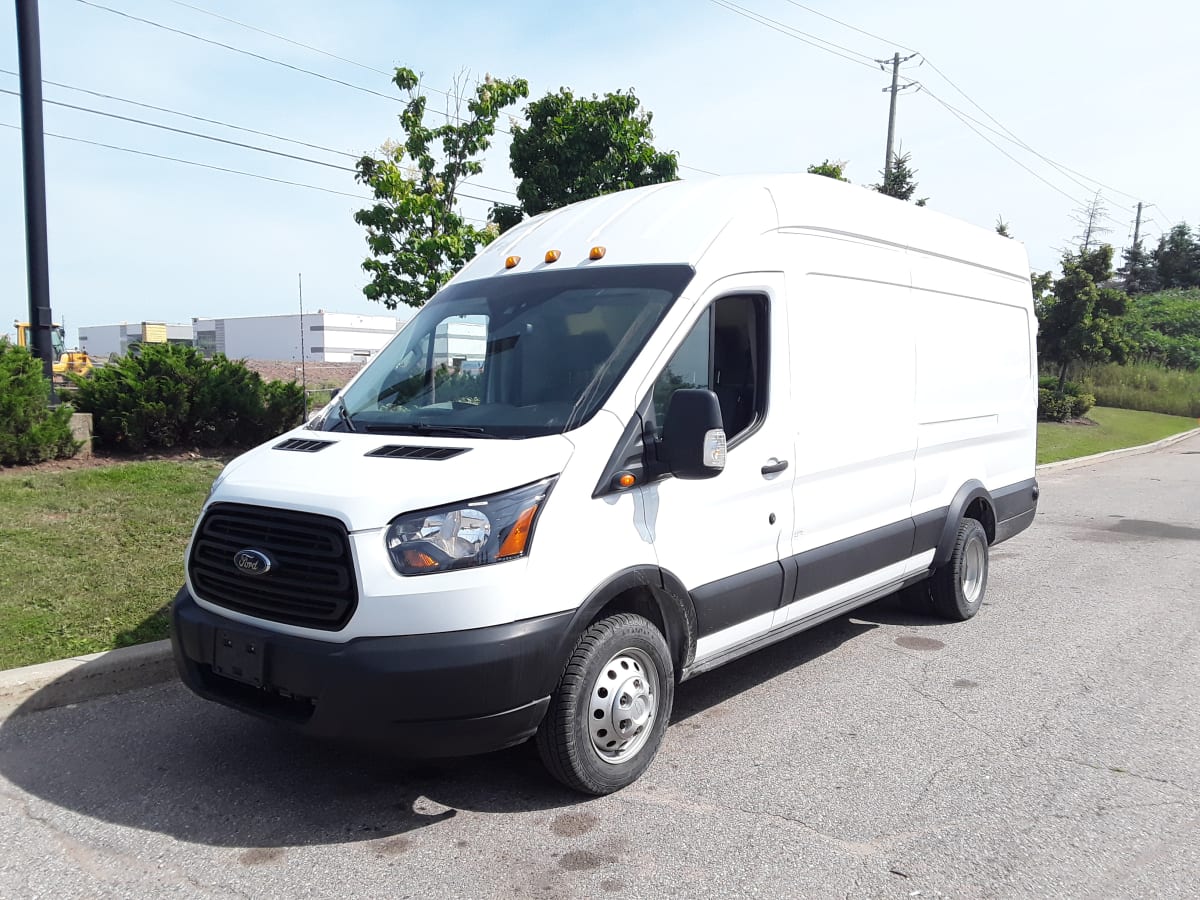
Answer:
[(633, 439)]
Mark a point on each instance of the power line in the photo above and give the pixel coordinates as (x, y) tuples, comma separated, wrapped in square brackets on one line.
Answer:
[(220, 140), (967, 119), (295, 68), (176, 112), (196, 134), (288, 40), (230, 47), (276, 61), (191, 162), (967, 123), (817, 12), (1024, 145), (794, 33)]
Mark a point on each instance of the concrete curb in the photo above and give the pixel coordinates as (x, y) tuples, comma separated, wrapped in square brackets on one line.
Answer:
[(67, 681), (1080, 461)]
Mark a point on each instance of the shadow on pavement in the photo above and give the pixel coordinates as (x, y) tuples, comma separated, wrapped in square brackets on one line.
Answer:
[(163, 760)]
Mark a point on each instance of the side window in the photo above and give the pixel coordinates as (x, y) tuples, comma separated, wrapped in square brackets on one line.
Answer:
[(726, 352)]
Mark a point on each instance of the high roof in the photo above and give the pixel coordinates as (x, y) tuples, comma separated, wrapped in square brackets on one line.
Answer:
[(678, 221)]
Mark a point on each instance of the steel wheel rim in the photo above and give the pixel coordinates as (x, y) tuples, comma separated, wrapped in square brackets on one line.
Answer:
[(974, 566), (623, 706)]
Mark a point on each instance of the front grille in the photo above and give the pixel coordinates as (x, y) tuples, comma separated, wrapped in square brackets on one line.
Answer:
[(404, 451), (311, 577)]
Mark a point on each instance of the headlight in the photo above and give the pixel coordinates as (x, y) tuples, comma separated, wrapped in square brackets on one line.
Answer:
[(462, 535)]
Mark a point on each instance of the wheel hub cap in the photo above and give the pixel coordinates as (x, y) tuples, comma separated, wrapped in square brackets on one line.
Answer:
[(623, 704)]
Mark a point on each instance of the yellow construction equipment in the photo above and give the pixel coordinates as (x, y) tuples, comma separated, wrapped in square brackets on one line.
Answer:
[(77, 362)]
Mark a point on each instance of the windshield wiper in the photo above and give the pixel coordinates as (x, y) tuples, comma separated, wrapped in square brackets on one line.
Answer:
[(429, 428), (344, 416)]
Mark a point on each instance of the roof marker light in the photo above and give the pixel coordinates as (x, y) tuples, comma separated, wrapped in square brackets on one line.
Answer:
[(553, 255), (596, 253), (511, 262)]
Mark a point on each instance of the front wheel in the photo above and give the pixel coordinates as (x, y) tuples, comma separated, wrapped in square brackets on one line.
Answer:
[(957, 588), (610, 709)]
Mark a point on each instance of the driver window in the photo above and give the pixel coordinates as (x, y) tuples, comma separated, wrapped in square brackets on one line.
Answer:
[(725, 352)]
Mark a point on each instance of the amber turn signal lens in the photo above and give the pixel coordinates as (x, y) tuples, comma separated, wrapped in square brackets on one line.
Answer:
[(596, 253), (553, 255), (511, 262), (514, 544), (419, 560), (624, 480)]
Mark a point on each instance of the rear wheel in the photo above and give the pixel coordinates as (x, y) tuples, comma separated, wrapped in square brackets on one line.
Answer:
[(957, 588), (610, 709)]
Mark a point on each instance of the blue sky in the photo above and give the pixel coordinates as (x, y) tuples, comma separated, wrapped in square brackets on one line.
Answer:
[(1102, 87)]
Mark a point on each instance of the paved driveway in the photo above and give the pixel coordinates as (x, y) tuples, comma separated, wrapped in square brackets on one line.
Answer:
[(1049, 747)]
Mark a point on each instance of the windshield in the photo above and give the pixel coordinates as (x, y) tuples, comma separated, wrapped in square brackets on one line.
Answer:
[(511, 356)]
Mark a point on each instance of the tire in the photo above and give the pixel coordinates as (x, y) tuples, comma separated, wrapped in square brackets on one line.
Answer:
[(620, 668), (957, 588)]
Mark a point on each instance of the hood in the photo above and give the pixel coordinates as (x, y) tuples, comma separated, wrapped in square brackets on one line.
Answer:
[(338, 478)]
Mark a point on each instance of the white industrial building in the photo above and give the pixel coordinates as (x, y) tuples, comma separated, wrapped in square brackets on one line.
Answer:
[(326, 336), (460, 344), (110, 340)]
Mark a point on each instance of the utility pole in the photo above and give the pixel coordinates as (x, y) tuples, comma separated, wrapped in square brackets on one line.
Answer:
[(33, 155), (1137, 227), (894, 90), (303, 370)]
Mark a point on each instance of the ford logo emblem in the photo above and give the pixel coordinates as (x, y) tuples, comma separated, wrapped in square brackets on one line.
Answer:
[(252, 562)]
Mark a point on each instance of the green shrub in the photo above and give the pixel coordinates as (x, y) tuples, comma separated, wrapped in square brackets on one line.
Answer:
[(166, 396), (30, 431), (1054, 407), (1081, 403), (1145, 386)]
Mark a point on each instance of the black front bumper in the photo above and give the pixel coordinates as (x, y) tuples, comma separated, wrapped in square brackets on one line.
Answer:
[(446, 694)]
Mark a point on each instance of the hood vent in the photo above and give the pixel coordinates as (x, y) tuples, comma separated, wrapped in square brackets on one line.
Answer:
[(303, 445), (400, 451)]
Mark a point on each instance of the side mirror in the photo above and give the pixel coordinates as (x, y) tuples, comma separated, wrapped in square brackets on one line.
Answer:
[(693, 441)]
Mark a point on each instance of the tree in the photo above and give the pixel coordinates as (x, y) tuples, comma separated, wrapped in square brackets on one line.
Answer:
[(901, 181), (574, 148), (416, 236), (1081, 321), (1138, 274), (30, 430), (1089, 219), (1002, 227), (1177, 258), (835, 170)]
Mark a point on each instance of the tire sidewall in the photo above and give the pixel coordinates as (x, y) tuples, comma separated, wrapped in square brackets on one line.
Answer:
[(969, 532), (639, 634)]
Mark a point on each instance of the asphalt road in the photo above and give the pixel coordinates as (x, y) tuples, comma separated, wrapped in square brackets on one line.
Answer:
[(1049, 747)]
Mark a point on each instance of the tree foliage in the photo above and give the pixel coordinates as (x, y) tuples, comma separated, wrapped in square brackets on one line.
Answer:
[(1079, 320), (1002, 227), (901, 180), (416, 236), (835, 169), (573, 148), (1164, 328), (30, 431), (1177, 259)]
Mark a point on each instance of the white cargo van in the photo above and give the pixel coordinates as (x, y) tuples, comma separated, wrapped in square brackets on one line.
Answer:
[(633, 439)]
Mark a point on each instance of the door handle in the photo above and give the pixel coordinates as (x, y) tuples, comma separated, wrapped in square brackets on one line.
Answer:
[(777, 466)]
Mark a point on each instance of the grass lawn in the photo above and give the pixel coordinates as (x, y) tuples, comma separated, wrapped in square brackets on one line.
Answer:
[(90, 557), (1114, 428)]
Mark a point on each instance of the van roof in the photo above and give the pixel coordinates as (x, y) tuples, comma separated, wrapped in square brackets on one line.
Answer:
[(678, 222)]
